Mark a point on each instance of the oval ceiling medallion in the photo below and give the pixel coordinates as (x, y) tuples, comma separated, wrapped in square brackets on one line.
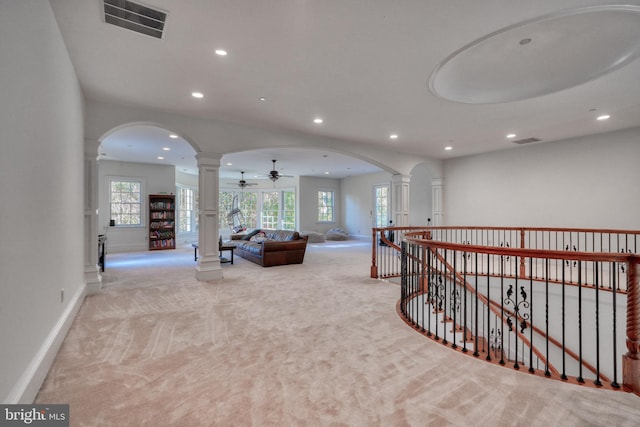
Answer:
[(540, 56)]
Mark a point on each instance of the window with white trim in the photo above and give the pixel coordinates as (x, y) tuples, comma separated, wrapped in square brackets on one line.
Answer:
[(381, 204), (187, 209), (125, 201), (325, 205)]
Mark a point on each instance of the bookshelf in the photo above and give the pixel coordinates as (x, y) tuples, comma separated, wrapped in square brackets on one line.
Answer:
[(162, 222)]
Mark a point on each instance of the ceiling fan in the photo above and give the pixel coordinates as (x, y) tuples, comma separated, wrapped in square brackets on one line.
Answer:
[(242, 183), (274, 175)]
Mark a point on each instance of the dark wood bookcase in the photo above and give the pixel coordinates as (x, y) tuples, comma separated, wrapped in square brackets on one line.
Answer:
[(162, 222)]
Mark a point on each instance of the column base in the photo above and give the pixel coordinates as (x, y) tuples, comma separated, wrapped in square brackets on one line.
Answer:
[(93, 280), (209, 269)]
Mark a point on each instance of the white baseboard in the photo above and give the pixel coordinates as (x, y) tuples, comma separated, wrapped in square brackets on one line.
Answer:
[(27, 387)]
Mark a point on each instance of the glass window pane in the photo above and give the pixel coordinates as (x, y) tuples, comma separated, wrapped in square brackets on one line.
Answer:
[(125, 206)]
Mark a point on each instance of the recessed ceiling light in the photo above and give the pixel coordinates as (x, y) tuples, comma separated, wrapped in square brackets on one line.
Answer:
[(166, 149), (229, 164), (393, 136), (262, 98), (160, 158), (173, 136), (318, 120), (197, 94), (326, 173), (221, 52), (604, 117), (448, 148), (511, 135)]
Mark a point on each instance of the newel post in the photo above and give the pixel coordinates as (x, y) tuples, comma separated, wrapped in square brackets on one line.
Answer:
[(522, 264), (631, 360), (374, 240)]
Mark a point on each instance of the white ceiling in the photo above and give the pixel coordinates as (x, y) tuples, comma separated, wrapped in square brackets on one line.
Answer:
[(364, 66), (145, 144)]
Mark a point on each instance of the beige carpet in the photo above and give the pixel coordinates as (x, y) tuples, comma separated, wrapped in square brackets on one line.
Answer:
[(318, 344)]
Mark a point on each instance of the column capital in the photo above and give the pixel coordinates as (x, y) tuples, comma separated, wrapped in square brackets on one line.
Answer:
[(400, 178), (208, 158)]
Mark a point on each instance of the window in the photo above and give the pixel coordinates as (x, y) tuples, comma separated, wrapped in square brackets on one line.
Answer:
[(266, 209), (270, 209), (325, 206), (246, 201), (125, 201), (187, 209), (381, 208), (289, 210)]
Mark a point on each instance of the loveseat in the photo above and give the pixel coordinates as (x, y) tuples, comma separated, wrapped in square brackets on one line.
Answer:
[(271, 247)]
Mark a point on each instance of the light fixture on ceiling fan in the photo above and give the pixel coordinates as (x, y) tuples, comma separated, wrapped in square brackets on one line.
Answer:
[(274, 175), (242, 183)]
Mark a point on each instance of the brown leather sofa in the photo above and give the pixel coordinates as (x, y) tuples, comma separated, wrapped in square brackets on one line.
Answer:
[(281, 247)]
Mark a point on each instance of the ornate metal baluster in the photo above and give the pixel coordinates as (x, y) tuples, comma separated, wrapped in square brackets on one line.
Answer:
[(614, 381), (521, 313), (501, 310), (455, 300), (423, 276), (547, 373), (531, 369), (597, 381), (475, 327), (580, 379), (444, 298), (488, 302), (464, 298)]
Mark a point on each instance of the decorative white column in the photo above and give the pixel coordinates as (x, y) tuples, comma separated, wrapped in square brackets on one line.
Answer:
[(92, 277), (437, 197), (400, 204), (209, 191)]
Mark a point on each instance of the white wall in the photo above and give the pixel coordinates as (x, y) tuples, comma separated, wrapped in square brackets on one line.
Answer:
[(583, 182), (357, 199), (156, 179), (420, 195), (308, 203), (41, 188)]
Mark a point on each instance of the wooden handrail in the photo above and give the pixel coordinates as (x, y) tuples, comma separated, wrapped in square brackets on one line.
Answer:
[(569, 244)]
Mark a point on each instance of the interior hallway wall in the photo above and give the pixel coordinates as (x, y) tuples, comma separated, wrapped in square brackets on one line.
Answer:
[(357, 199), (42, 190), (420, 195), (590, 182), (156, 179), (308, 194)]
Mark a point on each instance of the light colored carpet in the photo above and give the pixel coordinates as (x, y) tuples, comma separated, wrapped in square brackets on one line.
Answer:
[(316, 344)]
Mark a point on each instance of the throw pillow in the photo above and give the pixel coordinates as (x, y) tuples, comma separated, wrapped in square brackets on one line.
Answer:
[(251, 234), (260, 237)]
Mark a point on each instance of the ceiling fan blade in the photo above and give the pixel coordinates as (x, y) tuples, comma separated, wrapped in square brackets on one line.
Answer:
[(242, 183)]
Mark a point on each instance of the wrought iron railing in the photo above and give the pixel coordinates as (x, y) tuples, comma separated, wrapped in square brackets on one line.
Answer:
[(519, 298)]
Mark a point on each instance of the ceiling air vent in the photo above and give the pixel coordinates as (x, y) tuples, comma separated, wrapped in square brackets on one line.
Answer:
[(135, 17), (526, 140)]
